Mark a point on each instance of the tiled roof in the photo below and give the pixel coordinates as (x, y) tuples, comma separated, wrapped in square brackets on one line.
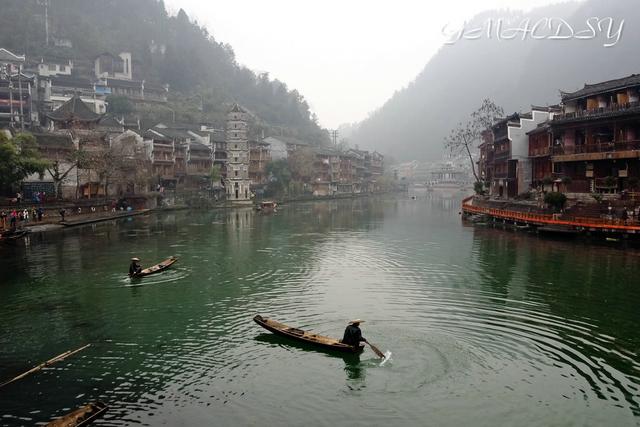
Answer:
[(53, 141), (133, 84), (598, 88), (7, 55), (237, 109), (197, 146), (71, 82), (74, 109), (109, 120)]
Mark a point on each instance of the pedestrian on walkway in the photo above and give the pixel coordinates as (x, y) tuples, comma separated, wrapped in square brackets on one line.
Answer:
[(3, 219), (62, 212), (14, 219), (40, 214)]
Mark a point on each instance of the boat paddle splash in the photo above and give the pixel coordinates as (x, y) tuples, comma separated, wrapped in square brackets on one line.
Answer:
[(387, 357)]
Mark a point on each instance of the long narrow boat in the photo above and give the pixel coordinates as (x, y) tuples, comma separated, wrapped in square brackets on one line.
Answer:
[(304, 336), (81, 416), (157, 268), (13, 236)]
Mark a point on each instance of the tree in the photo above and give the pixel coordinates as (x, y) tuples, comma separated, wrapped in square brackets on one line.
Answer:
[(556, 200), (466, 136), (119, 105), (301, 164), (215, 175), (19, 158), (279, 176)]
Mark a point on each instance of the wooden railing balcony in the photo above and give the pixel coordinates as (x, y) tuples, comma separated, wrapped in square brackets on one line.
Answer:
[(611, 110), (539, 152), (605, 147)]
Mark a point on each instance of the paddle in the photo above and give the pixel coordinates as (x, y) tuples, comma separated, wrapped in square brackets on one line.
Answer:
[(376, 350)]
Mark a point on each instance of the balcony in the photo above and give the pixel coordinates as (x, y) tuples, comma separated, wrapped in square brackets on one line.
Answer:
[(539, 152), (601, 151), (613, 110)]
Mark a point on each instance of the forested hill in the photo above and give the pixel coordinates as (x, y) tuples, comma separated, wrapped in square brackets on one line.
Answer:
[(514, 73), (166, 49)]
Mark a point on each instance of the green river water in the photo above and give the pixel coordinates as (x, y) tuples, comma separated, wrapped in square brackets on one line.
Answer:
[(487, 327)]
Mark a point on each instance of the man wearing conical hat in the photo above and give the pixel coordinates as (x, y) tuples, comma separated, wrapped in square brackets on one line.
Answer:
[(353, 334), (134, 268)]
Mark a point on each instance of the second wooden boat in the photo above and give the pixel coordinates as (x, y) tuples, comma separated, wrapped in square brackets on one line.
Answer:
[(81, 416), (156, 268), (304, 336)]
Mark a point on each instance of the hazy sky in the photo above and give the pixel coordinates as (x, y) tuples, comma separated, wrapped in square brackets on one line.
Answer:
[(346, 57)]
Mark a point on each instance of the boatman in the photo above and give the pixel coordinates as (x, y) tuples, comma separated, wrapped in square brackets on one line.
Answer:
[(353, 334), (134, 268)]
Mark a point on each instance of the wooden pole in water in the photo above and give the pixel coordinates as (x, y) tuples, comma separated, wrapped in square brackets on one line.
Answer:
[(45, 364)]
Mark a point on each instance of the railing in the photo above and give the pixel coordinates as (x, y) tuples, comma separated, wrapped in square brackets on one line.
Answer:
[(553, 219), (609, 110), (605, 147), (539, 152)]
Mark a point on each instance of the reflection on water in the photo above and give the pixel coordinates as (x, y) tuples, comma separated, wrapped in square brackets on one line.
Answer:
[(486, 326)]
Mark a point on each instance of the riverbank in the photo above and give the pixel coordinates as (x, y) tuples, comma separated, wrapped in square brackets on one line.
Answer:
[(51, 223), (590, 220)]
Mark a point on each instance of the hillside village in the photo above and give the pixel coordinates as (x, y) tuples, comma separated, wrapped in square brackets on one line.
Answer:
[(95, 151)]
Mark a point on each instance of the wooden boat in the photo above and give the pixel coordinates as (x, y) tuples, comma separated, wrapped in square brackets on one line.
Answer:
[(157, 268), (304, 336), (267, 206), (12, 236), (81, 416)]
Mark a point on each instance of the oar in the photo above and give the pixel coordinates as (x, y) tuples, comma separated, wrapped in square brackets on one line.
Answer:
[(376, 350), (45, 364)]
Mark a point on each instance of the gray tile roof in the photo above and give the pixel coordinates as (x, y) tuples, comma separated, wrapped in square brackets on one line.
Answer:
[(602, 87)]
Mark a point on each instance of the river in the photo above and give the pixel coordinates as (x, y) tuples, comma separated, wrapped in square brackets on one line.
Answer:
[(486, 327)]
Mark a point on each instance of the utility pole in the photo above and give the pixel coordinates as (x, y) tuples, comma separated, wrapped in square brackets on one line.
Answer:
[(334, 137)]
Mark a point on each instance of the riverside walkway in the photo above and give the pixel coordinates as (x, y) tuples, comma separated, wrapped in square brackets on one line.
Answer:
[(558, 221)]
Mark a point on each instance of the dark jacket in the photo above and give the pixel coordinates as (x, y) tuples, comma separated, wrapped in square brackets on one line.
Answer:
[(352, 335), (134, 268)]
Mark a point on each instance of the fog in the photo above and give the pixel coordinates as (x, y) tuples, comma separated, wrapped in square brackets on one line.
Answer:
[(346, 58)]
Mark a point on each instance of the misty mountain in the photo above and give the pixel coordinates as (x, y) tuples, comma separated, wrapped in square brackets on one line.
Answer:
[(175, 50), (514, 73)]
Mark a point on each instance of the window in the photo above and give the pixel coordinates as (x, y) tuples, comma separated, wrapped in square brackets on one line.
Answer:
[(52, 67), (236, 173)]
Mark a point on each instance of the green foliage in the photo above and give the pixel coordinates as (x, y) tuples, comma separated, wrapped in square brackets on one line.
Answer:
[(119, 105), (566, 180), (19, 158), (215, 175), (279, 177), (633, 182), (547, 180), (478, 187), (166, 49), (597, 197), (610, 181), (555, 200)]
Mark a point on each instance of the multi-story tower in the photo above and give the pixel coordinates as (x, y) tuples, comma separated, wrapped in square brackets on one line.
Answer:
[(237, 180)]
